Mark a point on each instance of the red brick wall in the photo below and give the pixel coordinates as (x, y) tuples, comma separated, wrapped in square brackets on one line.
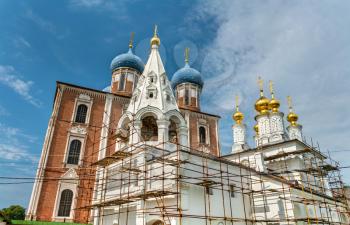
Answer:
[(55, 165), (194, 131)]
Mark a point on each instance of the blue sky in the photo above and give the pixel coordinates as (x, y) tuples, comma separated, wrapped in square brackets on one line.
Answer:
[(301, 45)]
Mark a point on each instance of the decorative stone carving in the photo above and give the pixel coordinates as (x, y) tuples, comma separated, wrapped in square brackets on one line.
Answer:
[(78, 130)]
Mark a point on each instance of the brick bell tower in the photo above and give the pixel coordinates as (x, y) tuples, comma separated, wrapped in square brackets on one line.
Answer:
[(126, 70), (187, 84)]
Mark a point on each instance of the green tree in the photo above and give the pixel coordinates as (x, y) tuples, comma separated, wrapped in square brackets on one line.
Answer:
[(14, 212)]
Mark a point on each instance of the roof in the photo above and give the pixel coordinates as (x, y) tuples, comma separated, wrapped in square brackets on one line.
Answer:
[(186, 75), (128, 60)]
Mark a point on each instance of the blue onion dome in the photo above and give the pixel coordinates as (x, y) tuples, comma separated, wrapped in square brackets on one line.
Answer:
[(186, 75), (128, 60)]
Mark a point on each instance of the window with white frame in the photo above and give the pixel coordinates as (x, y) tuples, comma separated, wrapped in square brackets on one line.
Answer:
[(65, 203), (202, 135), (74, 152), (232, 191), (82, 109), (121, 82), (80, 116)]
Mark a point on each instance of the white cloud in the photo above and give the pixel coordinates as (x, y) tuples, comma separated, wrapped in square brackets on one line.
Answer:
[(118, 8), (302, 45), (13, 144), (21, 42), (9, 77), (41, 22)]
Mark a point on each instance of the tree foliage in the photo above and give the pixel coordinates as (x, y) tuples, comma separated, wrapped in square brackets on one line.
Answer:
[(13, 212)]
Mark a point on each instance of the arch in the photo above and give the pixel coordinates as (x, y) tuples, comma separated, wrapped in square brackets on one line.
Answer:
[(65, 204), (155, 222), (149, 110), (202, 135), (173, 129), (149, 128), (179, 118), (74, 152), (80, 116), (121, 81)]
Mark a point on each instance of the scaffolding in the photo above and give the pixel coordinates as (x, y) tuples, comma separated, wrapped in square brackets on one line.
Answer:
[(143, 179), (155, 181)]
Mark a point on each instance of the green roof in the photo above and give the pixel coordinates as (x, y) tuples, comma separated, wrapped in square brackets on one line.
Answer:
[(31, 222)]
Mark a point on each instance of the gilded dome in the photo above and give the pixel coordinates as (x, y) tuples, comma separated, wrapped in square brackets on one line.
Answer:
[(238, 117), (274, 105), (292, 118), (256, 128), (155, 40), (262, 105)]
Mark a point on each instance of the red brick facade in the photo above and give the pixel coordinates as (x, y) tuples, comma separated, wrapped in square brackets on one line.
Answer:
[(54, 167)]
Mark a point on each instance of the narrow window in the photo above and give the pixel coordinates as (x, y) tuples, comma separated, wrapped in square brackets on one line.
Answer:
[(74, 152), (168, 98), (202, 135), (149, 130), (187, 97), (151, 95), (136, 79), (80, 116), (232, 191), (121, 82), (209, 190), (65, 203)]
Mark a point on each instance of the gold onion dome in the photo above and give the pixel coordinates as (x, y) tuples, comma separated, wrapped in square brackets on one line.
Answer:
[(262, 104), (238, 116), (155, 39), (256, 128), (274, 104), (292, 117)]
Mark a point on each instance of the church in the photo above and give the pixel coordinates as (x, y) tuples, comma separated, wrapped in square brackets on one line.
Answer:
[(141, 152)]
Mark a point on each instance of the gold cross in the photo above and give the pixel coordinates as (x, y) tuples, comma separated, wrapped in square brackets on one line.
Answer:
[(261, 86), (131, 40), (187, 55), (271, 89)]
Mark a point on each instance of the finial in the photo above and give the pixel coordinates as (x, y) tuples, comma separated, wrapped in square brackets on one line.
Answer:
[(261, 86), (155, 39), (237, 103), (131, 40), (274, 104), (292, 117), (271, 89), (290, 107), (238, 116), (155, 31), (187, 55)]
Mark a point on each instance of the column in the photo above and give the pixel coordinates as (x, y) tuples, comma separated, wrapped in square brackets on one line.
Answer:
[(163, 130)]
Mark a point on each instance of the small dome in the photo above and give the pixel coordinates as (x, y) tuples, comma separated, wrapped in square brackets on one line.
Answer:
[(292, 118), (256, 128), (262, 105), (128, 60), (238, 117), (274, 105), (186, 75)]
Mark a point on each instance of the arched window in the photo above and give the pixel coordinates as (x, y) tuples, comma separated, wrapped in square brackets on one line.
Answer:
[(136, 80), (172, 132), (202, 135), (187, 97), (121, 82), (80, 116), (74, 152), (149, 130), (65, 203)]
